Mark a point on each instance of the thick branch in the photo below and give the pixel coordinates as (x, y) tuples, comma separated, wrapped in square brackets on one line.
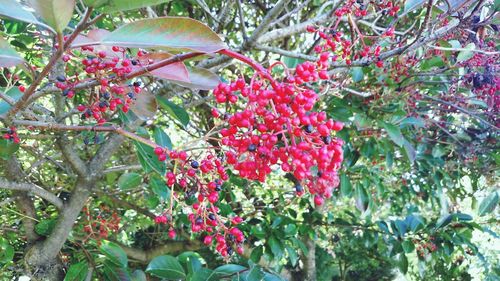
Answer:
[(35, 189)]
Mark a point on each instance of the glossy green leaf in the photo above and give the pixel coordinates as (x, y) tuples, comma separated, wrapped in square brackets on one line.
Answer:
[(113, 272), (402, 262), (174, 110), (200, 78), (6, 251), (7, 148), (144, 106), (176, 71), (432, 62), (159, 187), (171, 33), (14, 10), (138, 275), (256, 254), (276, 247), (408, 246), (201, 275), (148, 160), (394, 133), (8, 56), (292, 255), (224, 271), (444, 221), (411, 5), (357, 74), (114, 253), (56, 13), (45, 227), (77, 272), (488, 204), (13, 93), (345, 185), (411, 153), (111, 6), (467, 53), (161, 138), (129, 180), (167, 267)]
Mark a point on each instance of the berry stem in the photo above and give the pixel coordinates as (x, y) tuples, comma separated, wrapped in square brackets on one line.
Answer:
[(255, 65)]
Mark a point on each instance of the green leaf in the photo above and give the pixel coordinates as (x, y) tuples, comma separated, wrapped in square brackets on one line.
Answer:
[(462, 217), (56, 13), (357, 74), (394, 133), (45, 227), (129, 180), (144, 106), (8, 56), (224, 271), (6, 251), (345, 185), (292, 255), (14, 10), (112, 6), (171, 33), (256, 254), (201, 275), (488, 204), (138, 275), (290, 230), (161, 138), (114, 253), (401, 227), (297, 243), (402, 263), (112, 272), (444, 221), (167, 267), (410, 151), (291, 62), (467, 53), (432, 62), (158, 186), (174, 110), (411, 5), (147, 158), (408, 246), (7, 148), (415, 222), (77, 272), (199, 78), (14, 93), (276, 247)]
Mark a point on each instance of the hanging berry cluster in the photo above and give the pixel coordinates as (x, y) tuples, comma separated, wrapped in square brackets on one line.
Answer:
[(108, 66), (11, 135), (99, 224)]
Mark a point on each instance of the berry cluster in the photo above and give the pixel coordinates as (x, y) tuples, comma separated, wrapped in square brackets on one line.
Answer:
[(11, 135), (109, 66), (424, 247), (201, 181), (98, 226)]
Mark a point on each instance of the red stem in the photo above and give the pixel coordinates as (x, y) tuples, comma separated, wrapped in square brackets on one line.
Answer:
[(255, 65)]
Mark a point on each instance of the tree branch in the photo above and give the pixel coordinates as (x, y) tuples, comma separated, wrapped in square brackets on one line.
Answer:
[(35, 189)]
